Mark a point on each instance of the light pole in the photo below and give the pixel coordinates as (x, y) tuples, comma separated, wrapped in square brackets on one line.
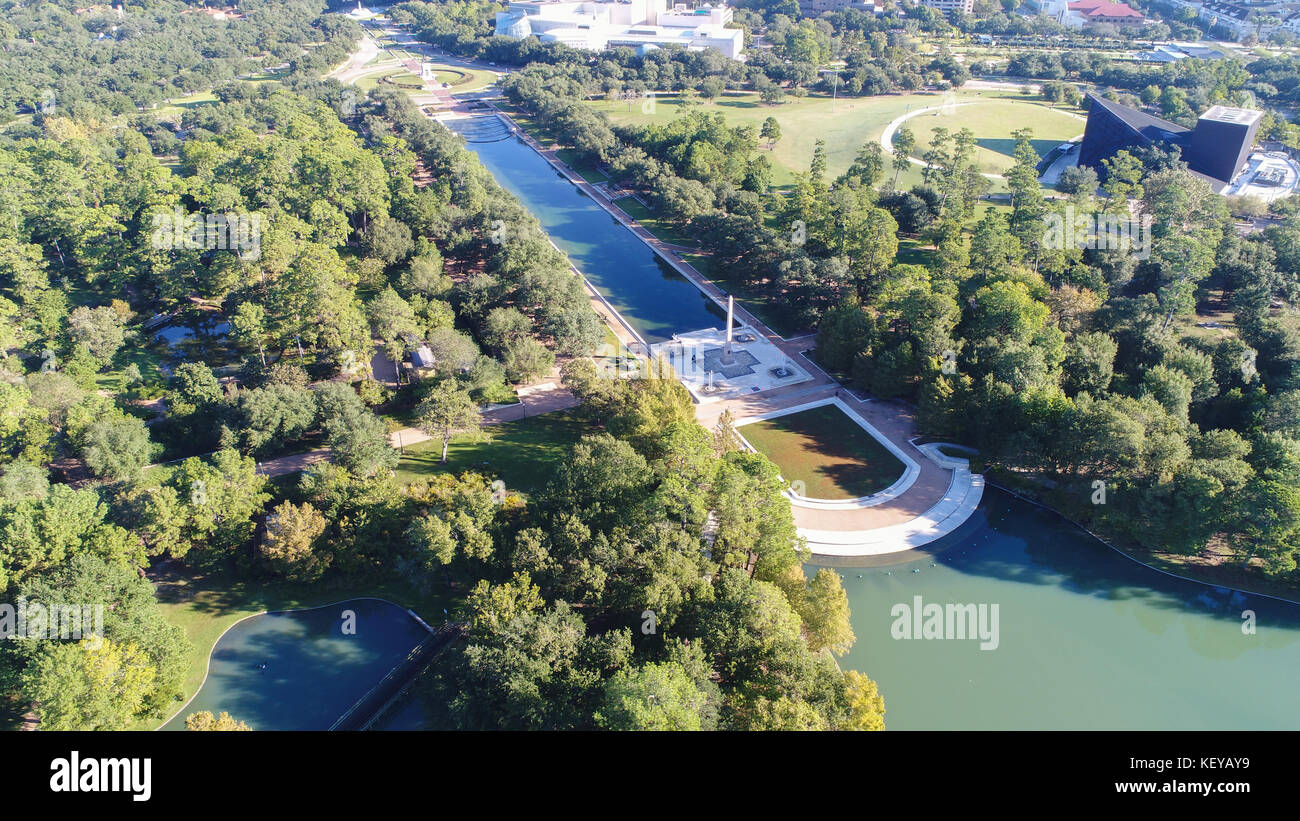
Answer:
[(835, 84)]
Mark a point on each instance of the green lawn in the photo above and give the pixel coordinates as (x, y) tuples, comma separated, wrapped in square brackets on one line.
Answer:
[(852, 122), (458, 79), (399, 78), (663, 229), (827, 451), (467, 79), (174, 109), (147, 358), (402, 79), (523, 454), (451, 76), (526, 122), (205, 606), (585, 170), (992, 121)]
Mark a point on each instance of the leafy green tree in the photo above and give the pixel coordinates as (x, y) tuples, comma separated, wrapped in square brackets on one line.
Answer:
[(193, 387), (249, 327), (1269, 526), (493, 607), (390, 240), (100, 330), (265, 419), (1079, 183), (904, 145), (1123, 181), (539, 670), (1089, 363), (453, 351), (601, 481), (725, 438), (432, 540), (117, 447), (825, 613), (526, 360), (358, 440), (655, 697), (203, 721), (93, 684), (290, 545), (424, 275), (392, 317), (504, 327), (446, 412), (215, 501), (130, 616), (784, 714), (26, 415), (23, 481), (844, 332), (1171, 388), (1027, 204), (36, 534), (754, 524), (866, 707)]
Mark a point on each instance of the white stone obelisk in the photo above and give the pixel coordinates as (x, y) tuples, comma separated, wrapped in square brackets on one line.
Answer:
[(731, 307)]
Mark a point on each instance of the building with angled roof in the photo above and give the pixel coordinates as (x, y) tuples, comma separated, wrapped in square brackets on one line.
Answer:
[(1216, 149)]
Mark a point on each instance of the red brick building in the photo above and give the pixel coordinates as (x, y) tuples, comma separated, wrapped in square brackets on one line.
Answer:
[(1104, 11)]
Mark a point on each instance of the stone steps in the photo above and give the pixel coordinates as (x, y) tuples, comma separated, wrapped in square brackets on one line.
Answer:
[(957, 505)]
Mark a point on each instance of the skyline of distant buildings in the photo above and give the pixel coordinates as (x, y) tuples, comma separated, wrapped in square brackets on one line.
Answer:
[(812, 8)]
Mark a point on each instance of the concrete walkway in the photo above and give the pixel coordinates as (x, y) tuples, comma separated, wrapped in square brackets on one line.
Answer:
[(355, 66)]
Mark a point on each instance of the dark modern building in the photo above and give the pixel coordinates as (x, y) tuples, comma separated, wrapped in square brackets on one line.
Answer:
[(1222, 141), (1216, 149)]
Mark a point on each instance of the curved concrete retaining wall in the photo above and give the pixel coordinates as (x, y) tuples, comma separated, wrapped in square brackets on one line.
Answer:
[(911, 470)]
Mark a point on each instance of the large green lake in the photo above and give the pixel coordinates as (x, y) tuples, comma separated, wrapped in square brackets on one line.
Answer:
[(1088, 638)]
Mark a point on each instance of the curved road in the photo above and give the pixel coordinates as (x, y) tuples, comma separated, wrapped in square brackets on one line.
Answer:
[(887, 136)]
